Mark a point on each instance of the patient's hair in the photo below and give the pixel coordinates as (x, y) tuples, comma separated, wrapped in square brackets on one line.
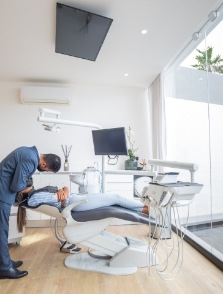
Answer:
[(53, 161), (21, 218)]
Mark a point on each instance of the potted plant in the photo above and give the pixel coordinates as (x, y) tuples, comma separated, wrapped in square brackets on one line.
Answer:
[(132, 162)]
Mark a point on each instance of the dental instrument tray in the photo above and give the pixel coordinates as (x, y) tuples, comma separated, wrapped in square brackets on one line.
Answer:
[(165, 178), (180, 193)]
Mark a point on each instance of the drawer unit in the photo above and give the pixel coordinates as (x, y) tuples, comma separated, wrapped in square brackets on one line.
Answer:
[(119, 184)]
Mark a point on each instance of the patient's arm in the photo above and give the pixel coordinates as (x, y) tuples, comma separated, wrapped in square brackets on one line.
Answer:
[(62, 195), (27, 190)]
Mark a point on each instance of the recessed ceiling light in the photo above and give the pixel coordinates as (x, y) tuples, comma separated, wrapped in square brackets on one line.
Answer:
[(126, 74), (144, 32)]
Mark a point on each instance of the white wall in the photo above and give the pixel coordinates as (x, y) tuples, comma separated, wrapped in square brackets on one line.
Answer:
[(106, 106)]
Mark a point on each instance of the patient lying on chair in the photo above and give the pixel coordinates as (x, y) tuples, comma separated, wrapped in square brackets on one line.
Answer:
[(62, 198)]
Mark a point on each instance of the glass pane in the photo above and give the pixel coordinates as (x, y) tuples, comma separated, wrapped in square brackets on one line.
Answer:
[(215, 78), (194, 115)]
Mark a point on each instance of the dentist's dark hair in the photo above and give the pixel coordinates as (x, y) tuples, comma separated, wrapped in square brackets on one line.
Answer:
[(53, 162)]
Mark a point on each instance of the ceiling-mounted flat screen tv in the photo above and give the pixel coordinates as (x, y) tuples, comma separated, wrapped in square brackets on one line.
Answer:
[(110, 141), (80, 33)]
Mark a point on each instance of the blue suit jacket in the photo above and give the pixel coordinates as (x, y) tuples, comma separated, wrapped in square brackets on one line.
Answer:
[(15, 169)]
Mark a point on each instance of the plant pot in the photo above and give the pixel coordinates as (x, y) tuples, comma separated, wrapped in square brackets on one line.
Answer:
[(131, 164)]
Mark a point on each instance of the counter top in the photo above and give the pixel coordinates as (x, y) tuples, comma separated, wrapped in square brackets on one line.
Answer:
[(58, 173), (132, 172), (114, 172)]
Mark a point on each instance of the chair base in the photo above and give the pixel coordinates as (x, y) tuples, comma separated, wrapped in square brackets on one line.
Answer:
[(85, 262)]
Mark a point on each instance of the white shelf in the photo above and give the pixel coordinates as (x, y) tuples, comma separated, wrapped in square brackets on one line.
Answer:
[(58, 173), (132, 172)]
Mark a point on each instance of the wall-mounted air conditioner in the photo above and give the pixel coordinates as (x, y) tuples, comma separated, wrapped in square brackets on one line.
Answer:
[(45, 95)]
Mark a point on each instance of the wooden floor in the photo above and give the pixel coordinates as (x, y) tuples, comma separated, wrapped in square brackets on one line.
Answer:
[(40, 253)]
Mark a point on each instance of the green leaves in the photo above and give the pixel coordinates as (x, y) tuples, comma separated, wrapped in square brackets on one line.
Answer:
[(206, 61)]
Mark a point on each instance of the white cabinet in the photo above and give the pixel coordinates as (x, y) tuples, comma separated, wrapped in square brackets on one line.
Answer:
[(59, 179), (14, 234), (122, 181), (119, 184)]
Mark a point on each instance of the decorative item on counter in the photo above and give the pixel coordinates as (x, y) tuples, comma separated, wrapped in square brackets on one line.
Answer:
[(66, 151), (143, 163), (132, 162)]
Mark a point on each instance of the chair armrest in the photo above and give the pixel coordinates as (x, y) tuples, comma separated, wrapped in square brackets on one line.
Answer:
[(67, 210)]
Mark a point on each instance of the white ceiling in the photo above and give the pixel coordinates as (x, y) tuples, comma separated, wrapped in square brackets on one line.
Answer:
[(27, 34)]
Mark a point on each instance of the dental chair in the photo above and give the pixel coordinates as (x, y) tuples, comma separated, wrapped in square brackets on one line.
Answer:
[(108, 253), (112, 254)]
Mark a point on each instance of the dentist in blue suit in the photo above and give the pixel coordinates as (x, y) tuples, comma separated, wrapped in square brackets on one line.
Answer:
[(15, 171)]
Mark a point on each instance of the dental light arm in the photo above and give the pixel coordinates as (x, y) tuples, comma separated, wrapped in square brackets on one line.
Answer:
[(56, 120), (52, 116), (44, 111)]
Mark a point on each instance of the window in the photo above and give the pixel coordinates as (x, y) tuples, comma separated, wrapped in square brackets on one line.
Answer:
[(194, 116)]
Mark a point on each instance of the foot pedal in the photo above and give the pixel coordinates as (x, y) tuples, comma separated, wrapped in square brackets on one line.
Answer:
[(69, 248)]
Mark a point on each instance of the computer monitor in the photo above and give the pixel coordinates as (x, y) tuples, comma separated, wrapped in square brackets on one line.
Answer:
[(110, 141)]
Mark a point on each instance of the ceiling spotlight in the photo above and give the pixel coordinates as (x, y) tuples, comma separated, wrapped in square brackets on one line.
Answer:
[(144, 32), (195, 36), (126, 74)]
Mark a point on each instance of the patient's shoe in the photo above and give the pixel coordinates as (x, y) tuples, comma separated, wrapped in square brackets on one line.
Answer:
[(12, 273), (16, 264)]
